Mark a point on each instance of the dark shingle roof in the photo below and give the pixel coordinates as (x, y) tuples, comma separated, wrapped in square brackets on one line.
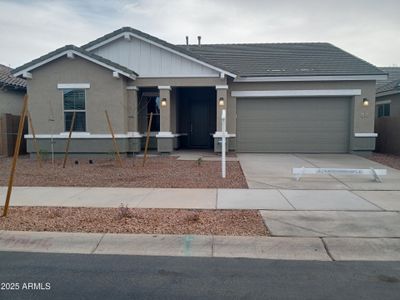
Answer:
[(6, 79), (393, 74), (284, 59), (79, 50), (389, 87)]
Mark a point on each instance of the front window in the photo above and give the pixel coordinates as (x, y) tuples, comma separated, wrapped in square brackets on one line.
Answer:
[(74, 101), (153, 106), (383, 110)]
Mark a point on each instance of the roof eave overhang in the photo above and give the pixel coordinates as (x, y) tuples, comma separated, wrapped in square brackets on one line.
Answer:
[(388, 93), (127, 34), (312, 78), (77, 53)]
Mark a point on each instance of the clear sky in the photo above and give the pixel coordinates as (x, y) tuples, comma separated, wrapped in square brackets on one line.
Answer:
[(369, 29)]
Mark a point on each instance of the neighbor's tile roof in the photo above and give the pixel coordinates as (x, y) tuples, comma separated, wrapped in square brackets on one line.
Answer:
[(393, 74), (77, 49), (391, 86), (284, 59), (6, 78)]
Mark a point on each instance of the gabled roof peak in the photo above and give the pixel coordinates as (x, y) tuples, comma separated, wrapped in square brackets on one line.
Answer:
[(79, 52)]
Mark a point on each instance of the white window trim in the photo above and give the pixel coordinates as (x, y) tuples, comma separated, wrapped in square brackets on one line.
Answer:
[(62, 86), (365, 134), (297, 93), (383, 102), (83, 135), (73, 110)]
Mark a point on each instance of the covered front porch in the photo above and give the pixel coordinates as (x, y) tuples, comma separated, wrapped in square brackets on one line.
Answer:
[(183, 117)]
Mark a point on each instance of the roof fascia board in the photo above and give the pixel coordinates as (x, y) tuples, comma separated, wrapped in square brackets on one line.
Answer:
[(179, 76), (387, 93), (54, 57), (123, 34), (311, 78), (297, 93)]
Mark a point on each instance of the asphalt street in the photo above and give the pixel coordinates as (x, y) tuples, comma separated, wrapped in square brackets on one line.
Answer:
[(72, 276)]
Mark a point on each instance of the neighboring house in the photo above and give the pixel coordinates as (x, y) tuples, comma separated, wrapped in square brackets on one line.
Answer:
[(12, 91), (288, 97), (387, 123), (393, 74)]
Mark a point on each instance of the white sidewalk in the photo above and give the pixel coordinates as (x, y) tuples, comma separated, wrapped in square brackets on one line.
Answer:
[(268, 199)]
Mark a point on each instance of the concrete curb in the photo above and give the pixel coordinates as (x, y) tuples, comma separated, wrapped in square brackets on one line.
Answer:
[(164, 245), (277, 248)]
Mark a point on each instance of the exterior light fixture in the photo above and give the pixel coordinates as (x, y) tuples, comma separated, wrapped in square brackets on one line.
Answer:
[(163, 102), (221, 101), (365, 102)]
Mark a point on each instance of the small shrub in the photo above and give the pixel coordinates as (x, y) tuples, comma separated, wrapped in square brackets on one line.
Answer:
[(56, 213), (199, 161), (123, 212), (192, 217)]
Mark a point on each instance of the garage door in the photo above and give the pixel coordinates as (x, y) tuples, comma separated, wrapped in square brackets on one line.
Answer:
[(293, 125)]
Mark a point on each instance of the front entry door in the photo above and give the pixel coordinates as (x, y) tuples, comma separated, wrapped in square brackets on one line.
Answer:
[(199, 135)]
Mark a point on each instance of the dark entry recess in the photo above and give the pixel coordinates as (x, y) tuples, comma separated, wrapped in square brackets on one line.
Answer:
[(197, 116)]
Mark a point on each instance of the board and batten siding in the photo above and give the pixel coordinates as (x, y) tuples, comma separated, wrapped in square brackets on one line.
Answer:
[(150, 60)]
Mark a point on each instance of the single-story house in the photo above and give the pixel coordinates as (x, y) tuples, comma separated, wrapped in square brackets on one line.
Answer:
[(387, 123), (12, 91), (283, 97)]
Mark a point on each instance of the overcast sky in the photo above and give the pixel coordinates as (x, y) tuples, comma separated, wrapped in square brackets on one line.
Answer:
[(369, 29)]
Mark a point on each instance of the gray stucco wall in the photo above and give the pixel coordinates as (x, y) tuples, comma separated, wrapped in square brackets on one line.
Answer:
[(108, 93), (11, 101), (105, 93)]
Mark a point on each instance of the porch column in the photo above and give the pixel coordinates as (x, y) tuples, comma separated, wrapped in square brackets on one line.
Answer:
[(221, 102), (165, 138), (133, 119), (222, 99), (132, 109)]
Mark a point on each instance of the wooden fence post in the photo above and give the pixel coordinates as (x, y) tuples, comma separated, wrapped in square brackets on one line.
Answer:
[(35, 143), (118, 157), (71, 128), (147, 138)]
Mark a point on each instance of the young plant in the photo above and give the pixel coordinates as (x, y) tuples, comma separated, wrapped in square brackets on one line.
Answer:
[(123, 212)]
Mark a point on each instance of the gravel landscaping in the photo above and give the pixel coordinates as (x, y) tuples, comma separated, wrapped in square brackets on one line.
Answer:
[(134, 220), (389, 160), (159, 172)]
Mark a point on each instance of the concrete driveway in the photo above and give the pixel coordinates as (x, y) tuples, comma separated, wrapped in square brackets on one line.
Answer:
[(274, 171)]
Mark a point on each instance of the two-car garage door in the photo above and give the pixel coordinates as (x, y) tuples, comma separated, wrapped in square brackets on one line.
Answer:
[(293, 125)]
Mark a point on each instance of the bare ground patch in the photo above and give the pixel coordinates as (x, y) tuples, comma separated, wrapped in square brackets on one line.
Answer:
[(389, 160), (159, 172), (135, 220)]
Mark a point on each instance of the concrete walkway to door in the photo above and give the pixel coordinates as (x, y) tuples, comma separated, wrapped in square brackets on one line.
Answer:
[(274, 171)]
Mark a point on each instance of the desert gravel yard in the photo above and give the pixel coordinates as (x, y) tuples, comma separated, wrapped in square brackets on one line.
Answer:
[(389, 160), (135, 220), (159, 172)]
